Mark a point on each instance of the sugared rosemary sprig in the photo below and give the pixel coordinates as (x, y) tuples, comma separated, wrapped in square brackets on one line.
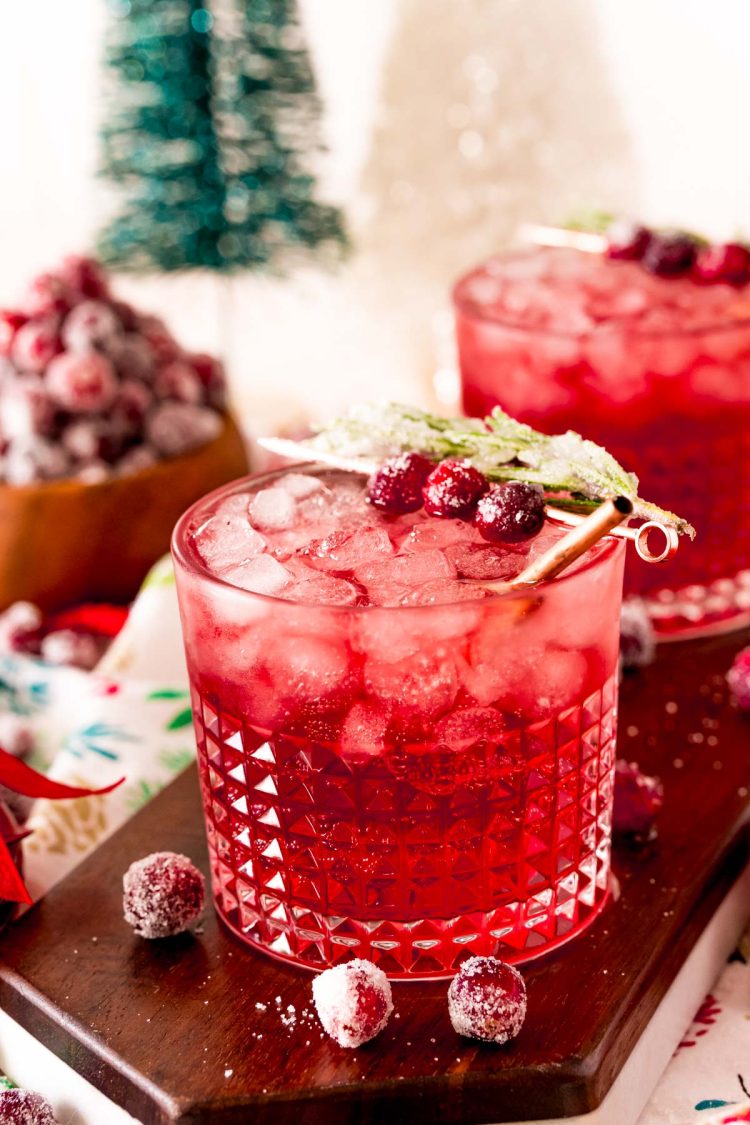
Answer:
[(498, 445)]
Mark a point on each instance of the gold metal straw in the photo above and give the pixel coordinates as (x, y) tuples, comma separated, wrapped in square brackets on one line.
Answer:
[(606, 517)]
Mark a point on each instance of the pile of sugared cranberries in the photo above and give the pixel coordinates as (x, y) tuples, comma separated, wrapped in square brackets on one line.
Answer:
[(91, 388), (22, 1107), (487, 1000), (679, 254), (353, 1002), (455, 489), (163, 895), (637, 803)]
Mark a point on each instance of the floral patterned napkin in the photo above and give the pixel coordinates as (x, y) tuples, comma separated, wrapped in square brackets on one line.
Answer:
[(130, 717)]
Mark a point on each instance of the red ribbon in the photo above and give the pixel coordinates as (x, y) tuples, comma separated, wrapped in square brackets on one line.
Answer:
[(19, 777)]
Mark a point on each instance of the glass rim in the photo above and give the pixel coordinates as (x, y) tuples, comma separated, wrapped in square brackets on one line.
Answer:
[(190, 561), (470, 311)]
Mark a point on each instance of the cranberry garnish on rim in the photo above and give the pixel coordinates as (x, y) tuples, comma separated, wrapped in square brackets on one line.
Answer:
[(487, 1000), (397, 486), (353, 1002), (728, 262), (670, 254), (511, 513), (627, 241), (453, 489)]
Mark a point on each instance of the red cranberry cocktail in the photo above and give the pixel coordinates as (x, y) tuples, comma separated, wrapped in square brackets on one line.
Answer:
[(654, 367), (397, 763)]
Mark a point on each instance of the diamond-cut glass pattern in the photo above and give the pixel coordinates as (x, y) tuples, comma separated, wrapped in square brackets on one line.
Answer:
[(406, 862)]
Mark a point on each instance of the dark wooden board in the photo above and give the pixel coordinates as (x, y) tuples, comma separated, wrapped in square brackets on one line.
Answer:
[(159, 1027)]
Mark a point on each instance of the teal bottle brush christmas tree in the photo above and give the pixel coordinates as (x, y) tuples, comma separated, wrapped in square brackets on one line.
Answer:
[(211, 126)]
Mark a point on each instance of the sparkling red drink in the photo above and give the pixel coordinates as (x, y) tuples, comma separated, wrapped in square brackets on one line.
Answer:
[(396, 763), (655, 369)]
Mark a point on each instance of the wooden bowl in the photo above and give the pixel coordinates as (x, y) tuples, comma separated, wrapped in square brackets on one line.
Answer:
[(67, 542)]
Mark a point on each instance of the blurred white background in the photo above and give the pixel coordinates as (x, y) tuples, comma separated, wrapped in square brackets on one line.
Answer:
[(448, 122)]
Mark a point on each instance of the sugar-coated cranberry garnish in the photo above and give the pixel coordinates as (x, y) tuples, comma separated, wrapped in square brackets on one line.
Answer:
[(19, 627), (728, 262), (638, 801), (453, 489), (627, 240), (47, 294), (164, 895), (487, 1000), (510, 513), (81, 382), (738, 678), (89, 325), (176, 427), (72, 648), (35, 345), (178, 381), (637, 637), (22, 1107), (670, 254), (397, 486), (211, 373), (353, 1001), (10, 322), (84, 277)]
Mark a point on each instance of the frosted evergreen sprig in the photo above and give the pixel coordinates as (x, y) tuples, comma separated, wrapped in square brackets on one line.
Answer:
[(498, 445)]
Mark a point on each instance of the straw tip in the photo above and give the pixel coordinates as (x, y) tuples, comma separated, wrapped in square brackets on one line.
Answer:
[(623, 505)]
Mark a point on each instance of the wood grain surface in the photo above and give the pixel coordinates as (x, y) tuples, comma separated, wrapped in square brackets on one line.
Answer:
[(173, 1030)]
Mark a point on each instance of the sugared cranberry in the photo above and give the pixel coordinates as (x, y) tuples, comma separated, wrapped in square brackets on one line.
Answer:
[(82, 382), (638, 801), (453, 489), (738, 678), (353, 1001), (92, 439), (160, 339), (71, 648), (25, 408), (89, 325), (46, 295), (637, 637), (131, 406), (211, 373), (132, 356), (84, 277), (670, 254), (16, 735), (397, 486), (178, 381), (28, 460), (728, 262), (176, 427), (137, 459), (510, 513), (19, 627), (487, 1000), (35, 345), (627, 240), (10, 322), (164, 895), (22, 1107)]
